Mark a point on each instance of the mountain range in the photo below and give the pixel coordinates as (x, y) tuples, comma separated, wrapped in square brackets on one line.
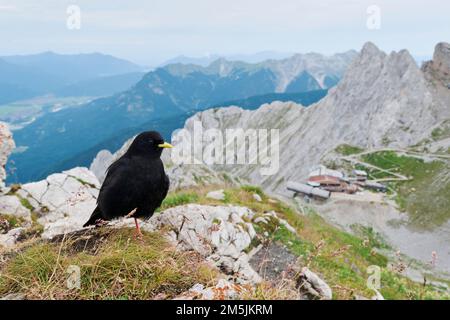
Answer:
[(26, 76), (384, 100), (210, 58), (162, 100)]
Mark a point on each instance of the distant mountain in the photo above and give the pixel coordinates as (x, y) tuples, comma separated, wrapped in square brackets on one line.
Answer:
[(24, 77), (206, 60), (303, 82), (203, 61), (101, 86), (74, 67), (252, 103), (384, 100), (301, 72), (169, 92), (19, 82)]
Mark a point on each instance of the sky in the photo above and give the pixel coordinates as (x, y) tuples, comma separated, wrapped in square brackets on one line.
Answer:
[(152, 31)]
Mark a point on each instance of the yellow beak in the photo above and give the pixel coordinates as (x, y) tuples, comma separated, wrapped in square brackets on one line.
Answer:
[(165, 145)]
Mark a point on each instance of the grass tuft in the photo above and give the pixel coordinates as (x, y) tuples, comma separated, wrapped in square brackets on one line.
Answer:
[(119, 268)]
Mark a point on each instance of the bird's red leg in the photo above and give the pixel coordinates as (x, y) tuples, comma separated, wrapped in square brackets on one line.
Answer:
[(139, 234)]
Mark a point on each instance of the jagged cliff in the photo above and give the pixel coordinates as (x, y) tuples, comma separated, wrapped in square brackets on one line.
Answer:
[(384, 100)]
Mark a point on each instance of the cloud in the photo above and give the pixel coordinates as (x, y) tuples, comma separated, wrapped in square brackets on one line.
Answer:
[(162, 28), (8, 8)]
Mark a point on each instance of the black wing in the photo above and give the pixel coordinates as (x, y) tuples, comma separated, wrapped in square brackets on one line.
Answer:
[(119, 191)]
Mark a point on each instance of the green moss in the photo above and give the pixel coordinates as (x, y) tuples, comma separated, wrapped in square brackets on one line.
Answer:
[(254, 189), (26, 203), (13, 221), (85, 183), (348, 150), (227, 178), (178, 199), (441, 132)]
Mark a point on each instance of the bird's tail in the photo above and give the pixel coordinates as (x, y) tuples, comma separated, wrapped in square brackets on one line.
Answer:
[(94, 217)]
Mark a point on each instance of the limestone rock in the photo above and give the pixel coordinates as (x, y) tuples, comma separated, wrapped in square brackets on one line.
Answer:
[(64, 200), (216, 195), (11, 205), (383, 100), (6, 146), (101, 163), (257, 197), (10, 238), (314, 285), (223, 290), (220, 234), (13, 296), (439, 67)]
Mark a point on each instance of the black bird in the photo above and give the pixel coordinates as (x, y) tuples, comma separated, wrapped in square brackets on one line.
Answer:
[(135, 184)]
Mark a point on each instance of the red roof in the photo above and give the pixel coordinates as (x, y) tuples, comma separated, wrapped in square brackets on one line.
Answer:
[(325, 180)]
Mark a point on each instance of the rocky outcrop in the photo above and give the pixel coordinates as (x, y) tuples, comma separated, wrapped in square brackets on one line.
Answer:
[(439, 67), (101, 163), (62, 203), (12, 205), (312, 285), (6, 146), (220, 234), (383, 100)]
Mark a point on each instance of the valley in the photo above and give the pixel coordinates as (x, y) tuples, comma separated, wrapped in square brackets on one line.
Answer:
[(162, 100)]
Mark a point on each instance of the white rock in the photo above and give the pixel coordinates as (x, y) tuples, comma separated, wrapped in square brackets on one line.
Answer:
[(84, 175), (56, 179), (315, 285), (70, 198), (101, 163), (11, 205), (6, 146), (13, 296), (10, 239), (36, 189), (257, 197), (217, 233), (216, 195)]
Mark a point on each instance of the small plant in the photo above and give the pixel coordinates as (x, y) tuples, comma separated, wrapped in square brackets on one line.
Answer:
[(253, 189), (348, 150), (178, 199)]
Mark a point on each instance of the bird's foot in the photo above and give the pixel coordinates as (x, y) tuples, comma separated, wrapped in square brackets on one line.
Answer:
[(139, 236)]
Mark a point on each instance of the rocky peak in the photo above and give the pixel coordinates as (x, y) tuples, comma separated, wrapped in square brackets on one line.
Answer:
[(439, 67), (370, 50), (384, 100)]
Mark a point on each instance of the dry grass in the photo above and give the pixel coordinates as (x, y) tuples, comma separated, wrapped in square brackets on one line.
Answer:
[(113, 265)]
